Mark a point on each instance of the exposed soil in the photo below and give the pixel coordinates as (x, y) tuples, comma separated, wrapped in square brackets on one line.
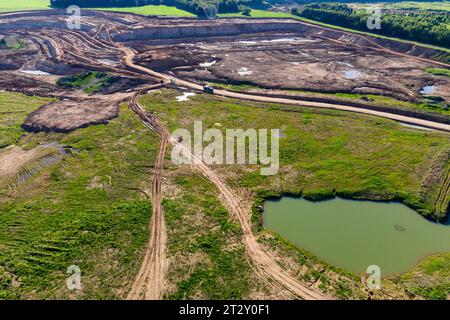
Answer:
[(68, 115), (13, 158), (150, 280)]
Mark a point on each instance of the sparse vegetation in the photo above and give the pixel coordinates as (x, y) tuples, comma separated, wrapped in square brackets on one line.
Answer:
[(88, 82), (198, 226), (438, 71)]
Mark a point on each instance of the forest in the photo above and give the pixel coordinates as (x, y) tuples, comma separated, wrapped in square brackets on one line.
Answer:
[(422, 26)]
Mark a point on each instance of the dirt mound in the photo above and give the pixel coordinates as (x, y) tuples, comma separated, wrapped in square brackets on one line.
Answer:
[(68, 115)]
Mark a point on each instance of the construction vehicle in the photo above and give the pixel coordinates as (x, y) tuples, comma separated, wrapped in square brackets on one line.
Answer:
[(208, 89)]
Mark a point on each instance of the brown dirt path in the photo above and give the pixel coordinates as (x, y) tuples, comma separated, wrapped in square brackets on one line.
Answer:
[(150, 280)]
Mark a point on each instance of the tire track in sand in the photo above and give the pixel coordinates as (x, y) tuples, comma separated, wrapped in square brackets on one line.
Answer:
[(150, 280), (265, 264)]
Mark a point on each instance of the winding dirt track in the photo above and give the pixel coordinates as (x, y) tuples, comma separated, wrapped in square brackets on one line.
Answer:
[(152, 270), (150, 280), (264, 263)]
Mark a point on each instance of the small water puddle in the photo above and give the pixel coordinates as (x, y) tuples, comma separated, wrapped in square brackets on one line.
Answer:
[(351, 74), (185, 96), (427, 90)]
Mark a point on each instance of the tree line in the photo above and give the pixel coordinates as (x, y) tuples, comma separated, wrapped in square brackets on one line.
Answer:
[(197, 7), (427, 27)]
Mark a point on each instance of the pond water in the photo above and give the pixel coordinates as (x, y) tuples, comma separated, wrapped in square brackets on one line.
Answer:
[(355, 234)]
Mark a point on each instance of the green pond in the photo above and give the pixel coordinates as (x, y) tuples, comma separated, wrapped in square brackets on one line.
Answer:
[(355, 234)]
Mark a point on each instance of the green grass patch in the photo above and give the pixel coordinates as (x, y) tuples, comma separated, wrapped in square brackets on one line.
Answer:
[(11, 43), (199, 226), (89, 82), (438, 71), (14, 108), (272, 14), (19, 5)]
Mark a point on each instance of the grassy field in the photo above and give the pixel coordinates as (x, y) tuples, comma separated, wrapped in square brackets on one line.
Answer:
[(205, 248), (153, 10), (256, 13), (86, 210), (322, 152), (14, 108), (438, 71), (18, 5)]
